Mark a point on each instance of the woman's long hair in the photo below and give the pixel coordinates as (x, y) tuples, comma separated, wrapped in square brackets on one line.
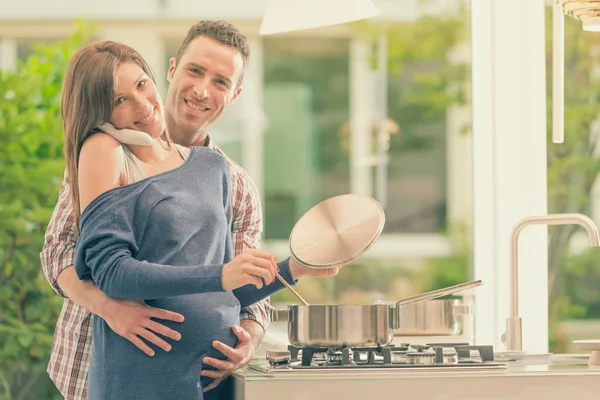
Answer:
[(88, 99)]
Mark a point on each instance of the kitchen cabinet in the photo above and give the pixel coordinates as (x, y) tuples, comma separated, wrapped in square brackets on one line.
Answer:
[(559, 377)]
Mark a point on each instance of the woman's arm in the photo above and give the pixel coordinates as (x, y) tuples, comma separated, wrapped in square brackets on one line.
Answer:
[(249, 294), (107, 244), (104, 254), (101, 167), (103, 251)]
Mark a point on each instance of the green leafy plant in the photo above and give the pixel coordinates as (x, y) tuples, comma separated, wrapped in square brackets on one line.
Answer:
[(31, 169), (423, 80)]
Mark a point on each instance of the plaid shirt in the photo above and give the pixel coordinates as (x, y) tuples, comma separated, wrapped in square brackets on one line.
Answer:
[(71, 349)]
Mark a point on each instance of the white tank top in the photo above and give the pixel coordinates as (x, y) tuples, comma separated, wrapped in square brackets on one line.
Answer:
[(133, 165)]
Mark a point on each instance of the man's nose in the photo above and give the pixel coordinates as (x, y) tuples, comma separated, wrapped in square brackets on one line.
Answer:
[(200, 91)]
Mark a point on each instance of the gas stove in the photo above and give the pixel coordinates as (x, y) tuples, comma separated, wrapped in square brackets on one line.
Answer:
[(440, 357)]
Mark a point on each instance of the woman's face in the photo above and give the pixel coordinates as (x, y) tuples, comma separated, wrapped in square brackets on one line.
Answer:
[(137, 102)]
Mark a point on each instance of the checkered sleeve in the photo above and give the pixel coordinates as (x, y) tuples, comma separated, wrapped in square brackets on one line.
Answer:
[(59, 242), (248, 224)]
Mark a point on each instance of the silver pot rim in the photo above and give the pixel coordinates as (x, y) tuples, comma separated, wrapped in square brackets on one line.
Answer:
[(345, 306)]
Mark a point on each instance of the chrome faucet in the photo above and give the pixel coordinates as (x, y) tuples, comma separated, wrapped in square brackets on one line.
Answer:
[(514, 331)]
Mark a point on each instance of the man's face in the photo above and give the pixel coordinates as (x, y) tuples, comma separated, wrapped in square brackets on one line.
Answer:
[(202, 85)]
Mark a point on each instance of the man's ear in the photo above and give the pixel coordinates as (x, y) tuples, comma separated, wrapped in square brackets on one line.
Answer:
[(235, 95), (172, 67)]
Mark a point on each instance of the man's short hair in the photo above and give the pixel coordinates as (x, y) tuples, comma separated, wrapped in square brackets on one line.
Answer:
[(222, 32)]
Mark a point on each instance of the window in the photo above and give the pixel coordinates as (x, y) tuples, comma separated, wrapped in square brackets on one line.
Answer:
[(573, 269), (306, 105), (307, 154)]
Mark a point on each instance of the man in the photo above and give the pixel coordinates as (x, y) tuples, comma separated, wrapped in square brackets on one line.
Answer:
[(205, 79)]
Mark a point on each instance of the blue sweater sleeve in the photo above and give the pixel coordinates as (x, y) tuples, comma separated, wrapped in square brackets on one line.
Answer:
[(104, 253), (249, 294)]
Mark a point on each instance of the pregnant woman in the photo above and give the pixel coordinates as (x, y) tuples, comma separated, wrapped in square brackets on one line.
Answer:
[(154, 225)]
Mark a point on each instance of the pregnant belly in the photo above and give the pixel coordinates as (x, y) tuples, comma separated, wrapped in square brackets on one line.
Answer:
[(208, 317), (121, 371)]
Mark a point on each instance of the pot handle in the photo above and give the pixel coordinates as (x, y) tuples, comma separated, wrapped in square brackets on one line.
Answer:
[(434, 294), (280, 315), (461, 309)]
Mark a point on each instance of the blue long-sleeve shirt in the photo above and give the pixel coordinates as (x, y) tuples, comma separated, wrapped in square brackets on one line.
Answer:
[(165, 240)]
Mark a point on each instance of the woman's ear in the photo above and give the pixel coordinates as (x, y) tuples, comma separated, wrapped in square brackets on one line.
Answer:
[(127, 136)]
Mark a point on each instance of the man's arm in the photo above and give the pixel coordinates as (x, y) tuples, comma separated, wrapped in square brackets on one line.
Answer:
[(59, 242), (255, 330), (83, 293), (129, 319), (248, 226), (58, 252)]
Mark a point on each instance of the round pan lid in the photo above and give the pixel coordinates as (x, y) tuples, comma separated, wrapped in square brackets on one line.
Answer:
[(336, 231)]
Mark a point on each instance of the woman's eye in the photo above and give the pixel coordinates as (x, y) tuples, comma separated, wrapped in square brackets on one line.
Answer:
[(120, 100), (141, 84)]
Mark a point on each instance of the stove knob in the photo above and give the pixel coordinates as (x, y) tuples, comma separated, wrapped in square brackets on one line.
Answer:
[(420, 358), (275, 355)]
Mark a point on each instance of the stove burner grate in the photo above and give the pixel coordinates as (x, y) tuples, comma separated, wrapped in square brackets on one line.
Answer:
[(434, 354)]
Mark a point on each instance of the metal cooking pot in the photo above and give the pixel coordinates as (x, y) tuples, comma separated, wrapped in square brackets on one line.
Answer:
[(338, 326), (352, 326), (432, 318)]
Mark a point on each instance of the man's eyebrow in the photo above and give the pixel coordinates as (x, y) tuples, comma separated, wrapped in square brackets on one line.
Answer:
[(203, 69), (200, 67)]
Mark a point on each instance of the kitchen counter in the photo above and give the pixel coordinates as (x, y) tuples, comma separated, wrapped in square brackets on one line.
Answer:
[(548, 378)]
